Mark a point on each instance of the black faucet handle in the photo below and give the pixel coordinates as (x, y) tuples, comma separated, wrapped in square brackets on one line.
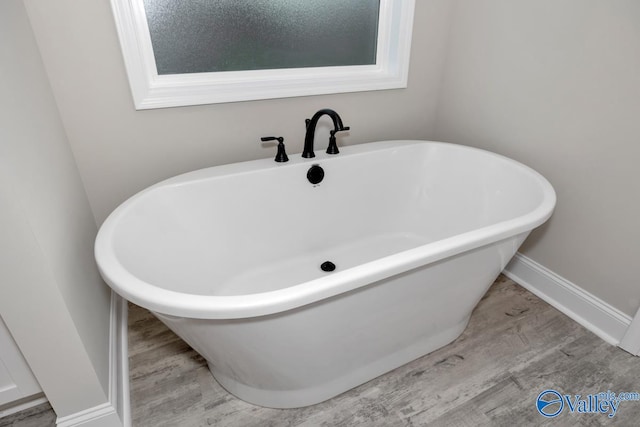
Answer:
[(333, 145), (333, 132), (272, 138), (281, 156)]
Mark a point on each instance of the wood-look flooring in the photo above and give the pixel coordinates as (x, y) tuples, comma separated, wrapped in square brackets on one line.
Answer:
[(38, 416), (515, 347)]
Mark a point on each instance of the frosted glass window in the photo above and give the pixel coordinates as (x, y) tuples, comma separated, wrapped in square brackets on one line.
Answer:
[(196, 36), (194, 52)]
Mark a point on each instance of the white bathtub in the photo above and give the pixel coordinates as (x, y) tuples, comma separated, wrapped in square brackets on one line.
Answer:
[(229, 258)]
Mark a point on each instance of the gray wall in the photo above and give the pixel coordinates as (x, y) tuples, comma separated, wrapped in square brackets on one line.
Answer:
[(556, 85), (121, 151), (51, 296)]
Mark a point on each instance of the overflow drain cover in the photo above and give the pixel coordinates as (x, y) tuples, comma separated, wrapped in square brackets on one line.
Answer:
[(327, 266)]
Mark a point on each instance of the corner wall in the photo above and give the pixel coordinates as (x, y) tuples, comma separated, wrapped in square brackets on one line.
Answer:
[(51, 296), (556, 85)]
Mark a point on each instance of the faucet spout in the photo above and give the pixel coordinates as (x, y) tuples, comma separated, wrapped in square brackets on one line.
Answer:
[(309, 137)]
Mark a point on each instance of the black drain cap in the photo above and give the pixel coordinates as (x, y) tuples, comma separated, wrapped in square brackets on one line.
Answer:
[(327, 266)]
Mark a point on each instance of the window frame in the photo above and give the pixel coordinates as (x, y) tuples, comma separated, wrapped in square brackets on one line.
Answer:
[(151, 90)]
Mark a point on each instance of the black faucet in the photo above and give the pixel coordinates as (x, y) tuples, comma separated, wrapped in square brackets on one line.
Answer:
[(307, 152), (281, 156)]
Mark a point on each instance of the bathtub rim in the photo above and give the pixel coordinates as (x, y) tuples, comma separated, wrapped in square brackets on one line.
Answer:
[(179, 304)]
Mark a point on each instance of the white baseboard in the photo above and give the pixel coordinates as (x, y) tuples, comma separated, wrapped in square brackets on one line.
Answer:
[(103, 415), (119, 359), (117, 411), (602, 319), (631, 340)]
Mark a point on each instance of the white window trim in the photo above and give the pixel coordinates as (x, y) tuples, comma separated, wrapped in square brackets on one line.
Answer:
[(151, 90)]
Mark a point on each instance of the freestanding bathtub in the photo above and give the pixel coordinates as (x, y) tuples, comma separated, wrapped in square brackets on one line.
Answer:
[(229, 258)]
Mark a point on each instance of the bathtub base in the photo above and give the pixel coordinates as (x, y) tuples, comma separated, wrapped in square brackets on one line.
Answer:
[(287, 399)]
